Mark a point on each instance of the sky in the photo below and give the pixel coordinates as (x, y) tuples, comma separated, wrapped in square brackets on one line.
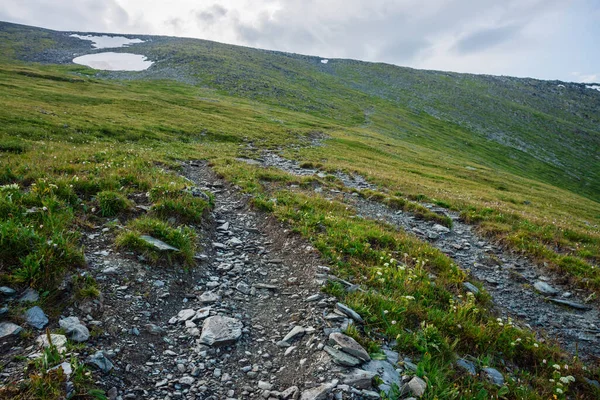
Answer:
[(547, 39)]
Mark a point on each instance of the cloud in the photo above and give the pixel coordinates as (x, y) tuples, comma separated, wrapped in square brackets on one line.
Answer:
[(211, 14), (485, 39)]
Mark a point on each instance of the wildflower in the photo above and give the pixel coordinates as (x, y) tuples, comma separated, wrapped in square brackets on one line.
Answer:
[(556, 366), (566, 366), (559, 391), (409, 297), (393, 322), (385, 311), (564, 380)]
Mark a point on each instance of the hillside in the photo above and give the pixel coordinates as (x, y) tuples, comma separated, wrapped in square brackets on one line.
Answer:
[(457, 215)]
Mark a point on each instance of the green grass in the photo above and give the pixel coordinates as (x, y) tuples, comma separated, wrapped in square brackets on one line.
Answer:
[(78, 152)]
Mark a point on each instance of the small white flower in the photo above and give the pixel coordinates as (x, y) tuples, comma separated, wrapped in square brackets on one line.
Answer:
[(556, 367), (559, 391)]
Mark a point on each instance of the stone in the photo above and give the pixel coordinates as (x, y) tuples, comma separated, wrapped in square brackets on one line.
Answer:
[(295, 333), (494, 376), (349, 312), (369, 395), (36, 318), (470, 287), (113, 393), (341, 358), (158, 244), (571, 304), (110, 271), (242, 287), (359, 378), (6, 291), (29, 295), (8, 329), (74, 329), (218, 331), (201, 314), (59, 341), (187, 380), (291, 393), (544, 288), (416, 386), (65, 366), (154, 329), (186, 314), (3, 310), (440, 229), (319, 392), (385, 371), (466, 366), (348, 345), (100, 360), (209, 297), (262, 385)]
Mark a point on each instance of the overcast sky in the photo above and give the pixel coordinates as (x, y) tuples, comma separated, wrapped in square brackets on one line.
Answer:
[(548, 39)]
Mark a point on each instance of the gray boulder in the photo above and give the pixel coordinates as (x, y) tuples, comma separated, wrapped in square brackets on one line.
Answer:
[(8, 329), (36, 318), (348, 345), (341, 358), (101, 361), (220, 331), (74, 329)]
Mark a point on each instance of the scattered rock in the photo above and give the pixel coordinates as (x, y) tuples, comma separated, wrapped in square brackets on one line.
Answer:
[(470, 287), (36, 318), (6, 291), (294, 334), (186, 314), (416, 386), (158, 244), (339, 357), (544, 288), (494, 376), (29, 295), (291, 393), (386, 371), (66, 367), (440, 229), (209, 297), (60, 341), (359, 378), (348, 345), (466, 366), (100, 360), (349, 312), (571, 304), (74, 329), (8, 328), (219, 331), (319, 392)]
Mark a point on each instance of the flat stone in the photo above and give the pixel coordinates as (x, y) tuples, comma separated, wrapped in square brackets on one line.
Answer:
[(369, 395), (154, 329), (65, 366), (219, 331), (494, 376), (59, 341), (341, 358), (262, 385), (571, 304), (8, 329), (385, 371), (295, 333), (348, 345), (349, 312), (243, 287), (187, 380), (319, 392), (6, 291), (466, 366), (158, 244), (359, 378), (100, 360), (36, 318), (186, 314), (209, 297), (201, 314), (265, 286), (110, 271), (74, 329), (3, 310), (470, 287), (416, 386), (544, 288), (29, 295)]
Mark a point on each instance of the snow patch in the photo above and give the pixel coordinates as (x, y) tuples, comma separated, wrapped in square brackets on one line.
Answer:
[(108, 42), (110, 61), (324, 61), (596, 87)]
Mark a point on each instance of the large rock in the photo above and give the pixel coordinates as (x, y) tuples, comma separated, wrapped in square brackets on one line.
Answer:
[(36, 318), (341, 358), (220, 331), (348, 345), (349, 312), (102, 362), (74, 329), (8, 328), (30, 295), (59, 341)]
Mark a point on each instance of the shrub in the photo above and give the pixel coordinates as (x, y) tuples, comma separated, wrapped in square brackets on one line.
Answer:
[(112, 203)]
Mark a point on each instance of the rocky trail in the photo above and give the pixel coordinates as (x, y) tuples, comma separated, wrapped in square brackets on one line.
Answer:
[(250, 321), (519, 288)]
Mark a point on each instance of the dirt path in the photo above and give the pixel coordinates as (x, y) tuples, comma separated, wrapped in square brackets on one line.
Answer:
[(519, 288)]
